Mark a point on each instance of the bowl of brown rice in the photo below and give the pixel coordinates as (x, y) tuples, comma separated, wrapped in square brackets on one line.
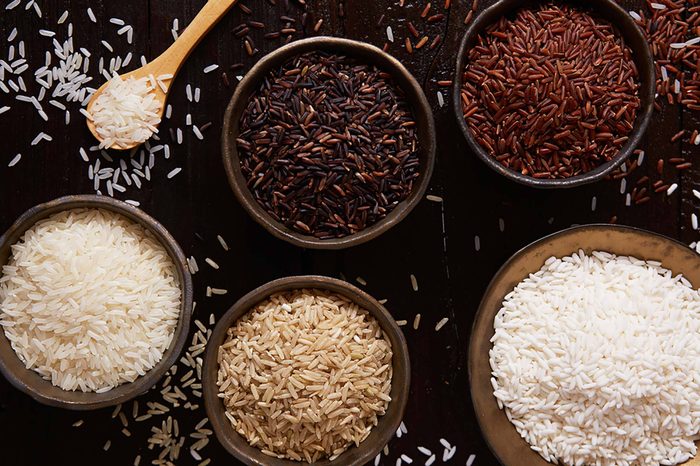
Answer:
[(95, 302), (306, 369)]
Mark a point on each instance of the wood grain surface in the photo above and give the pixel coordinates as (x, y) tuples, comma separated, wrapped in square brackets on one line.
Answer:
[(436, 242)]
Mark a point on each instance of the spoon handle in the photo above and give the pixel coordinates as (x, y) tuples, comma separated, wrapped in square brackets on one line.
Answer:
[(172, 59)]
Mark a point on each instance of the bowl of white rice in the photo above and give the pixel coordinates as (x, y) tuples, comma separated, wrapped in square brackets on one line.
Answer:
[(585, 350), (95, 302), (306, 369)]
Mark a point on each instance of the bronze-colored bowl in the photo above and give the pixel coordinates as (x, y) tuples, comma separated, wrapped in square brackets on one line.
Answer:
[(42, 390), (633, 37), (501, 436), (371, 55), (400, 383)]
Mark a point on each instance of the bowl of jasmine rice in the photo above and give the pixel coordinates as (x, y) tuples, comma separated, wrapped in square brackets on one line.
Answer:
[(586, 350), (95, 302)]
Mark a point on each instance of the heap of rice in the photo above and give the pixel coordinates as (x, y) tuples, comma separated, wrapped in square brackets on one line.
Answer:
[(596, 360), (89, 300), (127, 112), (305, 375)]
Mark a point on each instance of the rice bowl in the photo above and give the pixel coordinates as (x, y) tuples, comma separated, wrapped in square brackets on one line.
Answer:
[(42, 390), (596, 360), (387, 425), (89, 300), (502, 435)]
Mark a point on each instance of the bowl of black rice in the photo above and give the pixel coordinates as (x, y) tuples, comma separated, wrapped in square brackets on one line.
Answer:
[(328, 142)]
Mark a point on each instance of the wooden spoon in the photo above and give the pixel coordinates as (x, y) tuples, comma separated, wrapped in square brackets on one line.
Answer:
[(170, 61)]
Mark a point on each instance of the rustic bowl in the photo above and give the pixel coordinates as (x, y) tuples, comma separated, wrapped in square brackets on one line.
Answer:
[(634, 38), (382, 432), (501, 436), (372, 55), (42, 390)]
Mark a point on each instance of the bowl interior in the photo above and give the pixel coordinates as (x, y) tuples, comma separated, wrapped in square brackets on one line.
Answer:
[(381, 433), (42, 390), (500, 434), (369, 54), (633, 37)]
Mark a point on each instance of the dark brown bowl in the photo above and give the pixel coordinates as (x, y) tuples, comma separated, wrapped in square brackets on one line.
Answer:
[(501, 436), (400, 383), (42, 390), (372, 55), (634, 38)]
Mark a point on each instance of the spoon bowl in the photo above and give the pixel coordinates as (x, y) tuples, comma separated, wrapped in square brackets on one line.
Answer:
[(155, 69), (170, 61)]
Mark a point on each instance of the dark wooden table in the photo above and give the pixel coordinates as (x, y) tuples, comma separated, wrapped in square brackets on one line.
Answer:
[(436, 242)]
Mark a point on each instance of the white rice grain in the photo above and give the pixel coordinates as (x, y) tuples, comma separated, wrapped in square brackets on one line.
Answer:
[(441, 324), (414, 283), (222, 242), (15, 160)]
